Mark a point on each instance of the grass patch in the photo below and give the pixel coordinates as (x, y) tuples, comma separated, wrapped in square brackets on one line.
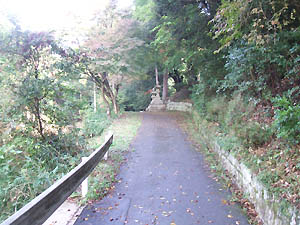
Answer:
[(103, 178)]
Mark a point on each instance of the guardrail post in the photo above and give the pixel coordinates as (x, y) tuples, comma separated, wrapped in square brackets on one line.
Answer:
[(85, 183), (105, 157)]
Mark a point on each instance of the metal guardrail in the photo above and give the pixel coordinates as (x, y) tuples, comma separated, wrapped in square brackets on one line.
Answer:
[(43, 206)]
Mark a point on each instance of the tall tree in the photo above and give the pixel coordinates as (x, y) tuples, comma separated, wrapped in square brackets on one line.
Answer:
[(109, 44), (33, 72)]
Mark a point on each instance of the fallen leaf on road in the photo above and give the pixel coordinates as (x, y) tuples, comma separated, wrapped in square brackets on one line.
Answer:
[(229, 216), (172, 223), (224, 202)]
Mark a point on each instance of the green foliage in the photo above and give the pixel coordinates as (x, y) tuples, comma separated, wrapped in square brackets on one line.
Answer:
[(135, 96), (239, 122), (243, 72), (253, 134), (95, 122), (29, 165), (254, 21), (39, 141), (144, 10), (261, 71), (233, 118), (287, 119), (215, 109)]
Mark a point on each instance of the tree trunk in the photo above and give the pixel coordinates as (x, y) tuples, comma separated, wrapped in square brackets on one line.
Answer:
[(156, 76), (105, 101), (165, 86), (115, 105), (110, 93), (38, 117), (95, 97)]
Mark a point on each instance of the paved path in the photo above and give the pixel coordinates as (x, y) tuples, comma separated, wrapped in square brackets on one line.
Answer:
[(165, 181)]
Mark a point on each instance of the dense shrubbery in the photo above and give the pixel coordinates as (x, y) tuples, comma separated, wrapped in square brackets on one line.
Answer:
[(233, 117), (39, 142), (287, 119), (30, 164), (94, 123), (135, 96)]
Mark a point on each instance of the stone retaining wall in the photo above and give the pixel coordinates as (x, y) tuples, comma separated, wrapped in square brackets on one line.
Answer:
[(266, 206), (179, 106)]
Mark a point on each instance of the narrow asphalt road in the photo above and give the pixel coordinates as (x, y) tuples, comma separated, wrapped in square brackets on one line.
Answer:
[(165, 181)]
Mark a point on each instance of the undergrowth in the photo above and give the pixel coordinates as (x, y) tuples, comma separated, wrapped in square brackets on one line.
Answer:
[(30, 164), (265, 143)]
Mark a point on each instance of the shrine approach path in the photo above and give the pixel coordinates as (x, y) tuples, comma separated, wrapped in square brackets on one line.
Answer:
[(164, 181)]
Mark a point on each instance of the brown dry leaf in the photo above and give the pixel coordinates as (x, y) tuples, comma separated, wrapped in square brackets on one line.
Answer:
[(224, 202)]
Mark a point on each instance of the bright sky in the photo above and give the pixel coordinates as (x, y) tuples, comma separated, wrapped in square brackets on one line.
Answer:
[(54, 14)]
